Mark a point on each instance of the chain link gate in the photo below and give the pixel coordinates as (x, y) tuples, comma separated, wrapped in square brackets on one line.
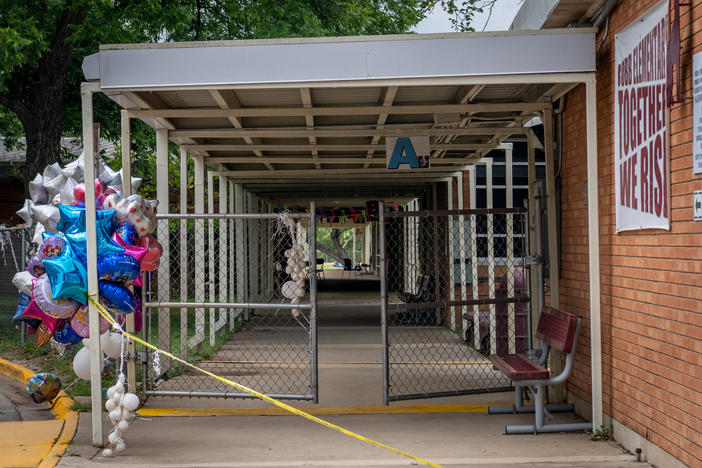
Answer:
[(453, 291), (224, 298)]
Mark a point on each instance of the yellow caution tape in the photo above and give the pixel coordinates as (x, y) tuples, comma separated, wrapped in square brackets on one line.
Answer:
[(250, 391)]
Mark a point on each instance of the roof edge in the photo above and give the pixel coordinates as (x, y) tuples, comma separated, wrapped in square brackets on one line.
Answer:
[(341, 39)]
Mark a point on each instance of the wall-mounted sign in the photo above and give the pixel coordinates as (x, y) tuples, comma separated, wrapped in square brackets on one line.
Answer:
[(407, 152), (641, 168), (697, 113)]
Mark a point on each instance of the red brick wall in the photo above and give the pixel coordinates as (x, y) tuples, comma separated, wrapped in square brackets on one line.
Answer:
[(651, 280)]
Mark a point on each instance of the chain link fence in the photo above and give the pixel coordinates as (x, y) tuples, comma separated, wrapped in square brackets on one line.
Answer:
[(15, 250), (455, 292), (232, 294)]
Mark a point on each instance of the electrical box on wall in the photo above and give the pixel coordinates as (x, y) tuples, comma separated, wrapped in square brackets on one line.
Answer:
[(697, 205)]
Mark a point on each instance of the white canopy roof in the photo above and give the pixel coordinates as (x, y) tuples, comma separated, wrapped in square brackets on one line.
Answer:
[(307, 118)]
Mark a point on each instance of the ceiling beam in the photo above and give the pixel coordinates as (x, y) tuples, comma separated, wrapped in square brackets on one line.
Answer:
[(299, 132), (227, 99), (322, 160), (325, 147), (316, 173), (306, 97), (341, 110), (388, 98), (149, 100)]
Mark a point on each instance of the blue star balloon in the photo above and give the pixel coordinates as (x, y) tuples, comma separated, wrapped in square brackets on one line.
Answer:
[(68, 275), (77, 236)]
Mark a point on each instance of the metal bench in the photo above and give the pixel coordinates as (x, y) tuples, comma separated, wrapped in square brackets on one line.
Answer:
[(425, 293), (556, 330)]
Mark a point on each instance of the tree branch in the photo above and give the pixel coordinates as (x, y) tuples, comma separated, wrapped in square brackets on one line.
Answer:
[(15, 105)]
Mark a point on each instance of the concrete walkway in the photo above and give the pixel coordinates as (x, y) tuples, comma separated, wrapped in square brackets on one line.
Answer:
[(452, 432)]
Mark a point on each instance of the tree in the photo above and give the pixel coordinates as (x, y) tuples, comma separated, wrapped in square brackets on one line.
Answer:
[(337, 250), (42, 45)]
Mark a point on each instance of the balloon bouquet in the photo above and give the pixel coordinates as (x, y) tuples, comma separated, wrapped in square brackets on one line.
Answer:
[(53, 289)]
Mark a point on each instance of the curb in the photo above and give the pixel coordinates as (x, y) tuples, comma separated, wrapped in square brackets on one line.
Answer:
[(61, 408)]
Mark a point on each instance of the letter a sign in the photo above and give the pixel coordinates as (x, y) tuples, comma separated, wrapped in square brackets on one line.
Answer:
[(407, 152)]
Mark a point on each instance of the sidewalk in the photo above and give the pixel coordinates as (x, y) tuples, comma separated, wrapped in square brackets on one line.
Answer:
[(30, 435), (452, 440)]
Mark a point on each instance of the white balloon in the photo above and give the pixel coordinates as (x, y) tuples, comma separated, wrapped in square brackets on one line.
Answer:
[(136, 181), (81, 364), (86, 342), (126, 414), (130, 401), (107, 453), (37, 191), (73, 169), (53, 187), (51, 171), (108, 175), (290, 289), (38, 231), (110, 404), (67, 197), (115, 415), (123, 425), (26, 212), (111, 344), (23, 282), (114, 437), (47, 215), (296, 313), (120, 446)]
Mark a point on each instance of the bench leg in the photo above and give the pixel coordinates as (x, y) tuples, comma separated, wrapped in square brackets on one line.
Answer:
[(519, 407), (539, 426)]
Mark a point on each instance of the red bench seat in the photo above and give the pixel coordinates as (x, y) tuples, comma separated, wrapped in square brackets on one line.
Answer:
[(518, 367)]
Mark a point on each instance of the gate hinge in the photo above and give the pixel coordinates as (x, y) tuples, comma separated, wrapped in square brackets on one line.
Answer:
[(142, 357), (533, 259)]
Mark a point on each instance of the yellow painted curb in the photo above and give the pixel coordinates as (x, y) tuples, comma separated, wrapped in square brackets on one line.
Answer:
[(61, 408), (316, 410)]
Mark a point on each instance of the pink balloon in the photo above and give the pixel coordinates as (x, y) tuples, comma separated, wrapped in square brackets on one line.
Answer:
[(152, 259), (33, 311), (136, 251), (79, 193), (80, 323)]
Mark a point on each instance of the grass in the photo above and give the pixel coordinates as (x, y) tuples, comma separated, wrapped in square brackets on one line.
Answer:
[(43, 357), (603, 433), (48, 360)]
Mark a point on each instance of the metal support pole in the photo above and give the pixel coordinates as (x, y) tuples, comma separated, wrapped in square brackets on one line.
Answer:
[(211, 255), (222, 253), (313, 302), (510, 270), (462, 251), (86, 92), (533, 282), (199, 247), (594, 250), (241, 279), (491, 255), (125, 122), (538, 241), (475, 285), (164, 269), (183, 253), (452, 255), (383, 303), (232, 268)]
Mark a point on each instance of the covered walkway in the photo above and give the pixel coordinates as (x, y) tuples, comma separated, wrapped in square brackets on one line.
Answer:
[(309, 120)]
